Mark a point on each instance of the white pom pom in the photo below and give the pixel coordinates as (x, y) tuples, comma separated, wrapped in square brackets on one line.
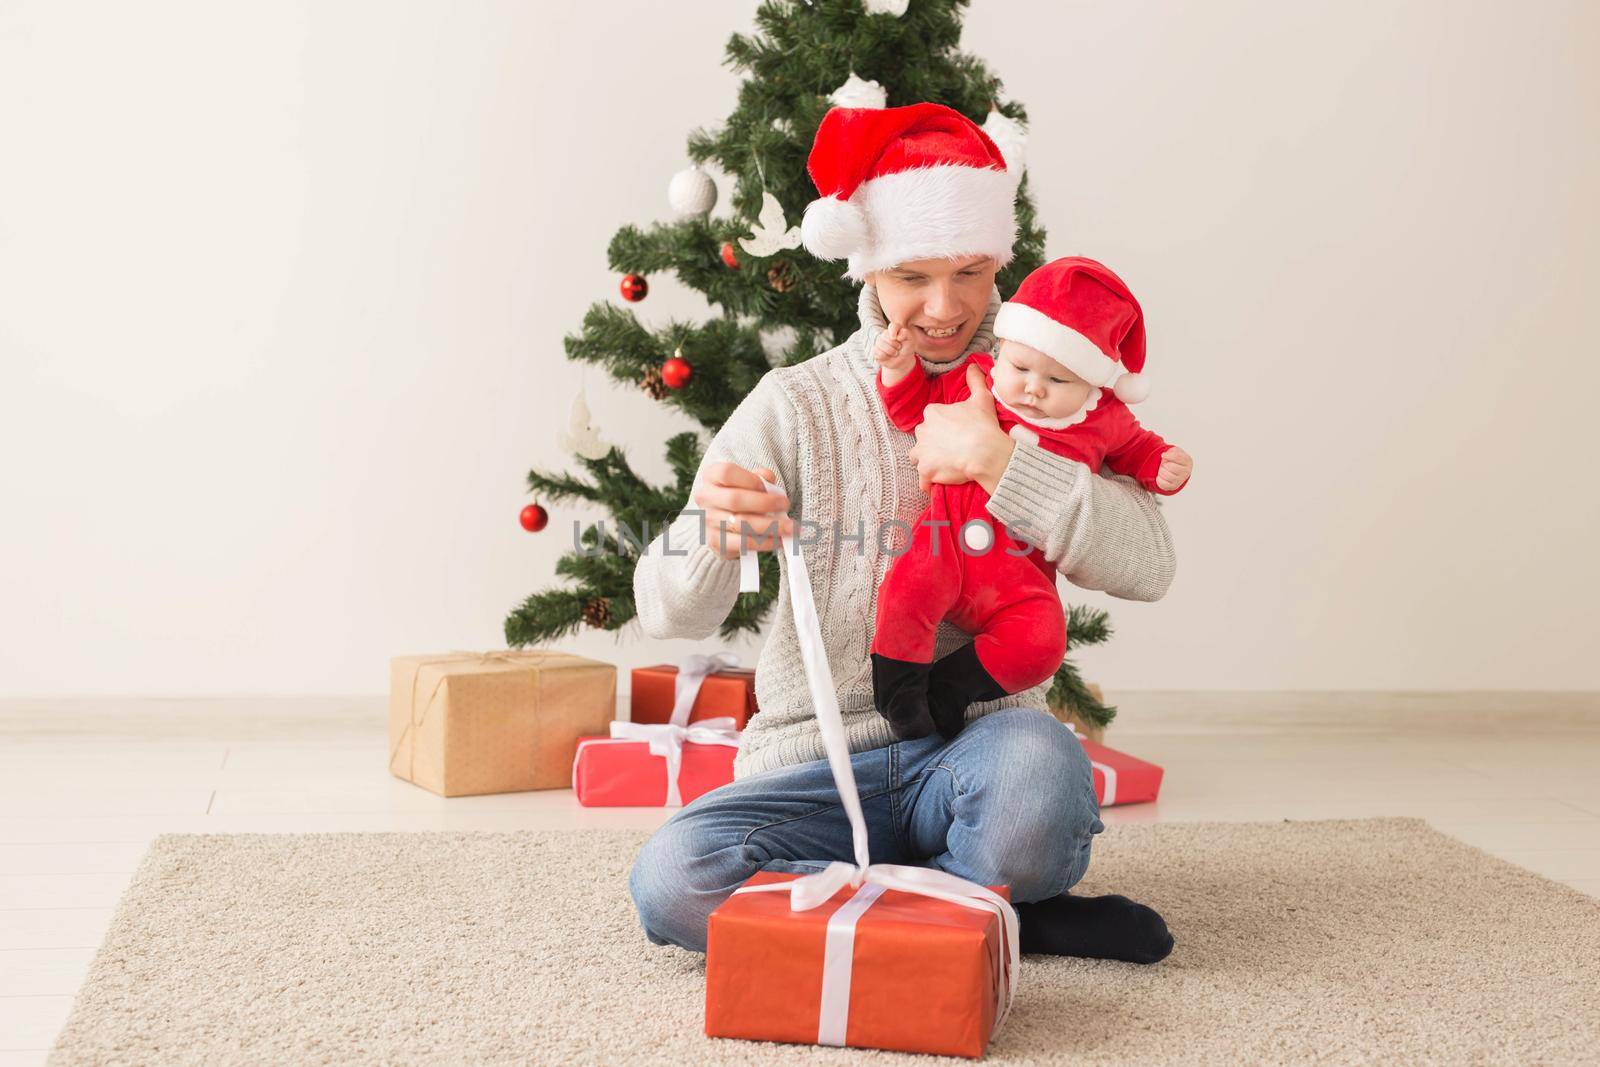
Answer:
[(1011, 137), (1132, 388), (692, 192), (833, 228)]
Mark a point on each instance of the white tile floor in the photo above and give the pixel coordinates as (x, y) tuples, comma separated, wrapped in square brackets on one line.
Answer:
[(79, 804)]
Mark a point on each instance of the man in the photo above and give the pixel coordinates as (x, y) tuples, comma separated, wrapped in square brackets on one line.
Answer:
[(919, 201)]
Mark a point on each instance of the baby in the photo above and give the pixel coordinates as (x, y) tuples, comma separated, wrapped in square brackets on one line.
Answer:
[(1071, 348)]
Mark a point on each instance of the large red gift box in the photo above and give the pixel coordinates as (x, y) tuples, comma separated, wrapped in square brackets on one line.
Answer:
[(612, 773), (729, 691), (1120, 778), (925, 975)]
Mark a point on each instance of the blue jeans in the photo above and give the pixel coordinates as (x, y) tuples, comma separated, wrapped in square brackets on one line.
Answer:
[(1009, 802)]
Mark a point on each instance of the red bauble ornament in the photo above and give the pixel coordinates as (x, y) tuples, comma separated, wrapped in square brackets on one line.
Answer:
[(676, 372), (533, 518), (634, 288), (730, 256)]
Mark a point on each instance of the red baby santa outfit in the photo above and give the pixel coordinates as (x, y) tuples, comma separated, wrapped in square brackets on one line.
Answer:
[(961, 564)]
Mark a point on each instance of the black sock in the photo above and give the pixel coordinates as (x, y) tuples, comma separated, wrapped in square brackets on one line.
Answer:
[(900, 693), (956, 682), (1100, 928)]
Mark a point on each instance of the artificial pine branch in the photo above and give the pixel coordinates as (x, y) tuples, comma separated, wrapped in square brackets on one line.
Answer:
[(560, 487), (599, 572), (1069, 693), (545, 616), (684, 453), (1087, 626), (612, 484)]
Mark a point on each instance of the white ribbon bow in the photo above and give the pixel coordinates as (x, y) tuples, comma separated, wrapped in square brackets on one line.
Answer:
[(870, 879), (692, 671), (668, 738)]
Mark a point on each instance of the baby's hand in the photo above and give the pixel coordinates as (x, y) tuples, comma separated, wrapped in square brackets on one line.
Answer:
[(893, 352), (1176, 466)]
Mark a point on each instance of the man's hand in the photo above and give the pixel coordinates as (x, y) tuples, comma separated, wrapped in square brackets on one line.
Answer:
[(893, 353), (739, 512), (1176, 466), (962, 442)]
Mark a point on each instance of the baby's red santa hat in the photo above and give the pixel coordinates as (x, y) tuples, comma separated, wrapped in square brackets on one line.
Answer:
[(1080, 314), (904, 183)]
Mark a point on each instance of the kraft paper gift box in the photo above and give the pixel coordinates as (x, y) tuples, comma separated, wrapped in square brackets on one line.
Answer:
[(919, 975), (1120, 778), (622, 773), (727, 692), (465, 723)]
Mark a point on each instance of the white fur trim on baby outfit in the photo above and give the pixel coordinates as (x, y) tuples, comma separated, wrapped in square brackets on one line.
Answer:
[(1058, 423), (1068, 347)]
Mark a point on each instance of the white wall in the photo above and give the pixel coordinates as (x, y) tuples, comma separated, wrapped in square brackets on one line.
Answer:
[(283, 287)]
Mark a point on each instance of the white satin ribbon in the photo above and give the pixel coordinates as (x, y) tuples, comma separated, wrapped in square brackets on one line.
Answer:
[(692, 671), (869, 879), (1110, 773), (838, 959), (667, 739), (1106, 770)]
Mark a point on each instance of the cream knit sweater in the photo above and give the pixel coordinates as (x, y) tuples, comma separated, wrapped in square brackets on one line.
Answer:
[(820, 426)]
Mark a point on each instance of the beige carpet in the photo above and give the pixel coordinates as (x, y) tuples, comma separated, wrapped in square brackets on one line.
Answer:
[(1339, 942)]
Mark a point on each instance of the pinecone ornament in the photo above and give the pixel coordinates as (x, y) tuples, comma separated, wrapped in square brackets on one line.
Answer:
[(780, 276), (653, 384), (597, 612)]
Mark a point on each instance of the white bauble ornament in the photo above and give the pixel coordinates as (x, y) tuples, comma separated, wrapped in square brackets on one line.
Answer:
[(886, 7), (692, 192), (1011, 137), (858, 92)]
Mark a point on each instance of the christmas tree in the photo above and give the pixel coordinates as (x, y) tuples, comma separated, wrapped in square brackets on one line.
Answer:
[(775, 304)]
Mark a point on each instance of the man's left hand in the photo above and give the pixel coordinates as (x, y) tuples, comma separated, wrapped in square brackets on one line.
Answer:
[(962, 442)]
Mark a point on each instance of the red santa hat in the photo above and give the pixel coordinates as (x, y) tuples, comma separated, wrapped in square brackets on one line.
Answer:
[(904, 183), (1080, 314)]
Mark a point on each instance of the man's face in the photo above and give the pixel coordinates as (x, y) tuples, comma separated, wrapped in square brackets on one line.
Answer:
[(941, 301)]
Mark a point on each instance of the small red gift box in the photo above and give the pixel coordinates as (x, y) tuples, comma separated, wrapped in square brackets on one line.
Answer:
[(1119, 778), (730, 691), (619, 773), (922, 974)]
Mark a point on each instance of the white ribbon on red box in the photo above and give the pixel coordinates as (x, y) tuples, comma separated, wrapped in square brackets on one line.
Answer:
[(1108, 771), (692, 671), (667, 739), (870, 879)]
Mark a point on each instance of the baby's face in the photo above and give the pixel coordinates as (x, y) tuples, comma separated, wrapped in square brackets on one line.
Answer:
[(1034, 384)]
